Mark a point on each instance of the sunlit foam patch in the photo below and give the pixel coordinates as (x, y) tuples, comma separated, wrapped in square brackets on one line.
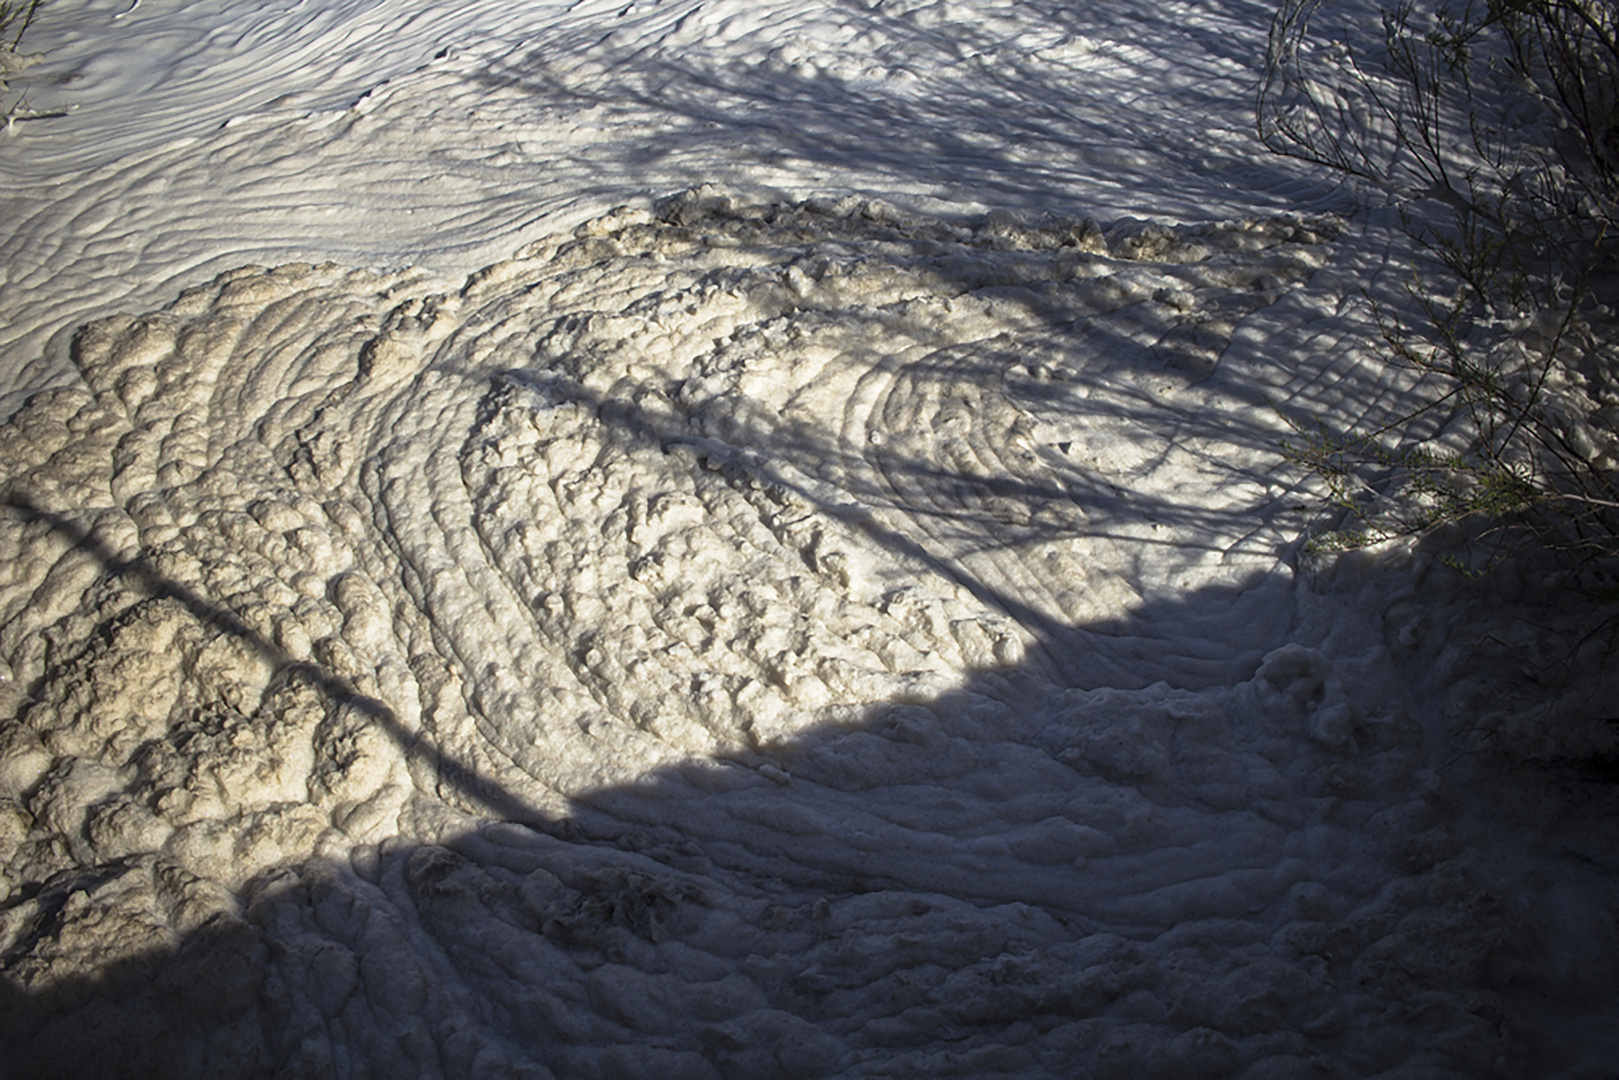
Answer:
[(687, 482), (717, 578)]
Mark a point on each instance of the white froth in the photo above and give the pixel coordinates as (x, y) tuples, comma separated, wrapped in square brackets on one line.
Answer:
[(762, 631)]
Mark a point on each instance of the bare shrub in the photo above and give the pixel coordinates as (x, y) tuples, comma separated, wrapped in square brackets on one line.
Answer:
[(1494, 128)]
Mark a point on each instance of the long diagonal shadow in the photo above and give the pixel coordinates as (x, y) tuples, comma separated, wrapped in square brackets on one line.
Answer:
[(1040, 838), (571, 949), (546, 938), (139, 572)]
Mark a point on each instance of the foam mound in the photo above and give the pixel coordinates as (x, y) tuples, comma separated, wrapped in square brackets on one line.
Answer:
[(733, 640)]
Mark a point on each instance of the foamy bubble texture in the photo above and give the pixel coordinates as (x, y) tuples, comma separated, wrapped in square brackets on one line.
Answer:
[(736, 640)]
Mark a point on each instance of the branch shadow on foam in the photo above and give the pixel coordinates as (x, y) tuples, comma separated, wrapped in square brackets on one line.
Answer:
[(985, 123), (817, 859), (732, 918), (645, 867), (786, 867), (916, 882), (939, 510)]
